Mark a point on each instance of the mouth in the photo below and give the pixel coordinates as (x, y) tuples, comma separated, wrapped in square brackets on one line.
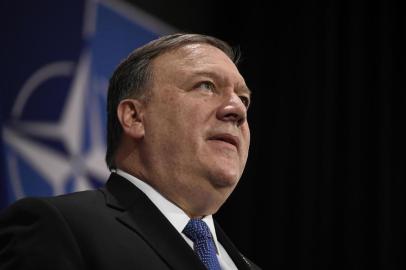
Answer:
[(227, 138)]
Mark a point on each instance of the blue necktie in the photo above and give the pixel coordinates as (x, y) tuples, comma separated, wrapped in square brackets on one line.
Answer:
[(203, 244)]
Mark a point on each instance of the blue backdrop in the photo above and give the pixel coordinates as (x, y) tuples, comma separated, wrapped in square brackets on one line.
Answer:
[(57, 59)]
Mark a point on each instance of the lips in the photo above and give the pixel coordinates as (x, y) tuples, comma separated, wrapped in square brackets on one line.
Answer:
[(228, 138)]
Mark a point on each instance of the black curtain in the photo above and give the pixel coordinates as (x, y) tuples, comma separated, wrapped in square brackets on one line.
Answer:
[(324, 187)]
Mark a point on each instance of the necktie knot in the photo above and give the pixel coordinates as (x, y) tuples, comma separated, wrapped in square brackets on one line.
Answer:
[(197, 230), (203, 245)]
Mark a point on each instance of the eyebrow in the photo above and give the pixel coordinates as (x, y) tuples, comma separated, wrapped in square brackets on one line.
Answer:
[(241, 89)]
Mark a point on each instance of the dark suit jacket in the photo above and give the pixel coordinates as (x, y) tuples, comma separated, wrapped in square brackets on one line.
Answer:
[(115, 227)]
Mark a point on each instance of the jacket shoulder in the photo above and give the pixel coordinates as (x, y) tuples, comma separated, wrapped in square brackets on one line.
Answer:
[(35, 235)]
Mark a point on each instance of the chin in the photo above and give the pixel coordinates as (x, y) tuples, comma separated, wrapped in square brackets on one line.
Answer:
[(225, 179)]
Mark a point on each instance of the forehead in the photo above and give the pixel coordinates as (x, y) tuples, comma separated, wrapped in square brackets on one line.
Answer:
[(193, 59)]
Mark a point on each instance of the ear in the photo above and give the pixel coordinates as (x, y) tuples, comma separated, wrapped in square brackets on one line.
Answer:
[(130, 114)]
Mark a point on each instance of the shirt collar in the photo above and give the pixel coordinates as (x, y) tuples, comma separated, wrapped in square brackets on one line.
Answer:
[(176, 216)]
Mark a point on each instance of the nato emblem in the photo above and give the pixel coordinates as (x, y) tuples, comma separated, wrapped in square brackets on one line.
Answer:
[(53, 134)]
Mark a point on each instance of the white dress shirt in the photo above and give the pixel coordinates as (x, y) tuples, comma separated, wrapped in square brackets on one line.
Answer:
[(178, 218)]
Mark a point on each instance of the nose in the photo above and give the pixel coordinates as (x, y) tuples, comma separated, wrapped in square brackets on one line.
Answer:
[(232, 110)]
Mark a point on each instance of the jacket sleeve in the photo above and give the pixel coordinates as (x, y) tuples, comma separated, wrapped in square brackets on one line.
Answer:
[(35, 235)]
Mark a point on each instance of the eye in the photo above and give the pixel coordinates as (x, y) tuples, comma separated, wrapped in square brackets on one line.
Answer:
[(206, 85), (245, 100)]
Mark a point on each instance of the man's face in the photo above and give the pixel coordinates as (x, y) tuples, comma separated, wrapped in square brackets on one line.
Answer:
[(196, 132)]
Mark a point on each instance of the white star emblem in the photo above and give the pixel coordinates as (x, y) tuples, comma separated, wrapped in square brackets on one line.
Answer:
[(53, 166)]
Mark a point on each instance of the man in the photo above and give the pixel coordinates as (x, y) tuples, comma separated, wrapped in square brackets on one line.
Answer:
[(177, 145)]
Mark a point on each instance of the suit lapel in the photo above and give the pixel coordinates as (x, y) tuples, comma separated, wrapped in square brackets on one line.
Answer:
[(240, 261), (144, 218)]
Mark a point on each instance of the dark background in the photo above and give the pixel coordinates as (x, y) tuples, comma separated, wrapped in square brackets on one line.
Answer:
[(324, 187)]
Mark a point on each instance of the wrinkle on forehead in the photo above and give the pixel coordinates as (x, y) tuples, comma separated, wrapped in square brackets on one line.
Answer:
[(207, 58), (197, 53), (195, 58)]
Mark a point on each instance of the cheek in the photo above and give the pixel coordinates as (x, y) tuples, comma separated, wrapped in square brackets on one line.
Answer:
[(180, 119), (178, 125), (246, 137), (246, 134)]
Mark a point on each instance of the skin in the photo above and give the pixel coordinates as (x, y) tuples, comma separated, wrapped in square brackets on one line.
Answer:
[(190, 138)]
